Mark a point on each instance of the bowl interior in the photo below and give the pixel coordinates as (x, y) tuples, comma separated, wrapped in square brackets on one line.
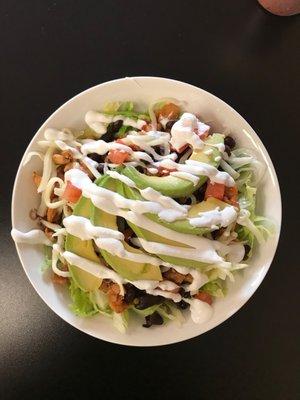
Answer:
[(144, 90)]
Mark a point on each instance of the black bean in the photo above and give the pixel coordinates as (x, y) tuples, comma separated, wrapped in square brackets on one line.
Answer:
[(230, 142), (140, 169), (184, 294), (159, 150), (215, 234), (184, 200), (247, 251), (153, 319), (183, 305), (200, 193), (130, 293), (100, 168), (111, 130), (147, 300), (169, 124), (96, 157), (227, 150), (122, 224)]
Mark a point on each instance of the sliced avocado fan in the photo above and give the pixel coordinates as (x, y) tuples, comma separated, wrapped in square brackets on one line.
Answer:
[(152, 237)]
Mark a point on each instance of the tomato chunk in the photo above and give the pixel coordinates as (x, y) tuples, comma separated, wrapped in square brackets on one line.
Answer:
[(118, 156), (71, 193), (204, 296), (215, 190), (231, 195)]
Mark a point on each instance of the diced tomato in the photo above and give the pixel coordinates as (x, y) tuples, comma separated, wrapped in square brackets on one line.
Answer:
[(118, 156), (71, 193), (215, 190), (231, 195), (204, 296), (169, 110)]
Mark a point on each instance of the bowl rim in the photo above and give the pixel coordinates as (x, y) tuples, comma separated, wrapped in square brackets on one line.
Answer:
[(272, 172)]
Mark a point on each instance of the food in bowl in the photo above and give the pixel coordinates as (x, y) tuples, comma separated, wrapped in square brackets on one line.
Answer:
[(148, 212)]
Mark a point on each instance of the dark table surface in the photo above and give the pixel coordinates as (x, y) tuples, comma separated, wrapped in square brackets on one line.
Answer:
[(51, 51)]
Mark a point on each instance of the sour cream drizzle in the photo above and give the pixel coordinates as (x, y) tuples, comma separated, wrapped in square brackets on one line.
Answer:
[(184, 132), (200, 311), (215, 218), (199, 169), (83, 229), (35, 236)]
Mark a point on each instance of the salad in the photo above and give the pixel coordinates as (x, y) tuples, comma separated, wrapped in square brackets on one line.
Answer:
[(145, 212)]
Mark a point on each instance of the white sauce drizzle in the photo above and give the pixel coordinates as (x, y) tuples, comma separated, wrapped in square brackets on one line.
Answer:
[(200, 311), (184, 132), (199, 169), (215, 218), (83, 229), (35, 236), (101, 147), (206, 255), (186, 175)]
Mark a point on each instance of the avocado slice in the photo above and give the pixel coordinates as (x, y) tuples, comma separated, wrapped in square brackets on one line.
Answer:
[(83, 248), (127, 269), (182, 226), (173, 186), (152, 237)]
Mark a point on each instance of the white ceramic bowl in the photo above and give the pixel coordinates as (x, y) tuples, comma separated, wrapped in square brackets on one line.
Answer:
[(144, 90)]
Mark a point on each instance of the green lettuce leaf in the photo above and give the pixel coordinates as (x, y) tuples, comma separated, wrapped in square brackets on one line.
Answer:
[(215, 288), (146, 311), (120, 321), (126, 109), (82, 304)]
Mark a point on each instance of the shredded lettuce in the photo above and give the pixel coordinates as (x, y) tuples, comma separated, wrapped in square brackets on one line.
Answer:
[(215, 288), (47, 263), (146, 311), (122, 131), (168, 311), (111, 107), (100, 302), (120, 321), (82, 304), (251, 226), (126, 109), (126, 106), (245, 163)]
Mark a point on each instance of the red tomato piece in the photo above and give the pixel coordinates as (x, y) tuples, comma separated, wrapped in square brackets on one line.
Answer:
[(204, 296), (231, 195), (71, 193), (118, 156), (215, 190)]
